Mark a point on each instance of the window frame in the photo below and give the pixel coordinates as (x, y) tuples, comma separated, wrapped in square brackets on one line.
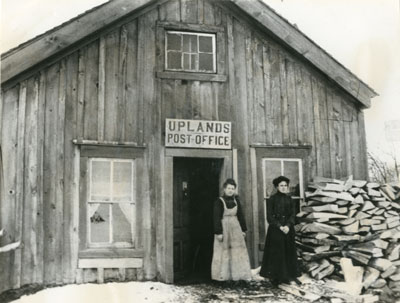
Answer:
[(220, 52), (198, 35), (88, 152), (110, 203)]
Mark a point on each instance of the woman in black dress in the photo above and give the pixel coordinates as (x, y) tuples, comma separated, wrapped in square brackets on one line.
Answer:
[(280, 259)]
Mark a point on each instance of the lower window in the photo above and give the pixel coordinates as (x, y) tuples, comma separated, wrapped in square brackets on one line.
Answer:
[(110, 203)]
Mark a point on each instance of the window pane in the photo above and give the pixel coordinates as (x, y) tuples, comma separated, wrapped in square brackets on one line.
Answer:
[(193, 61), (99, 222), (206, 62), (174, 60), (100, 183), (205, 44), (122, 222), (272, 170), (122, 177), (186, 43), (291, 170), (186, 61), (174, 42), (193, 41)]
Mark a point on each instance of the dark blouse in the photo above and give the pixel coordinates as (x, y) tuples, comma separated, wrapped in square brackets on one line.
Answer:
[(219, 212), (281, 210)]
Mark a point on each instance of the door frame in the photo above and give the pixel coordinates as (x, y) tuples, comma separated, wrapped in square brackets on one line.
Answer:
[(229, 167)]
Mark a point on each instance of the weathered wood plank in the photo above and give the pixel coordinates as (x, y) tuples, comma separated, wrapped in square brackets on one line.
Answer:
[(132, 121), (259, 131), (19, 187), (291, 100), (332, 133), (90, 130), (101, 89), (38, 259), (249, 48), (206, 101), (151, 108), (189, 12), (267, 95), (170, 11), (9, 178), (363, 165), (122, 80), (284, 98), (70, 247), (30, 190), (208, 12), (49, 183), (276, 109), (112, 76)]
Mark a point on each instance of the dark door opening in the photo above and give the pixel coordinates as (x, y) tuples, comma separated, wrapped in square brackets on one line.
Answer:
[(196, 187)]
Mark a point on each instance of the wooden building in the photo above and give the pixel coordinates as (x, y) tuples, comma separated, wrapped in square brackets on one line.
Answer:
[(118, 126)]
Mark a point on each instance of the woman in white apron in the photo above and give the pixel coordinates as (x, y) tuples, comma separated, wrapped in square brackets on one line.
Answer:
[(230, 256)]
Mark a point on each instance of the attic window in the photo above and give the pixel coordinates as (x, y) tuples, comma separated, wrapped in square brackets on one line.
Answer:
[(190, 52)]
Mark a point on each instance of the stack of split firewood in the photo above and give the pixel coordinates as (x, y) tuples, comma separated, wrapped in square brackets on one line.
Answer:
[(351, 219)]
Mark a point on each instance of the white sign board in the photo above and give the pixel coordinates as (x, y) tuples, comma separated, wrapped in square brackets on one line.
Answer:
[(198, 134)]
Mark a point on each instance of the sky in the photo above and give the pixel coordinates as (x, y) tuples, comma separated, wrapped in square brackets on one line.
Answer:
[(363, 35)]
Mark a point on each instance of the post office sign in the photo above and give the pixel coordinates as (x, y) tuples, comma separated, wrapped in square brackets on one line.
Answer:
[(198, 134)]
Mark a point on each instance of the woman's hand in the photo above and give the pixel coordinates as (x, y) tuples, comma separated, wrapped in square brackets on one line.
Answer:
[(244, 234), (284, 229), (220, 238)]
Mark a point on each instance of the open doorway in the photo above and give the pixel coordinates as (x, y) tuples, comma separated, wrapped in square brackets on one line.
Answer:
[(196, 187)]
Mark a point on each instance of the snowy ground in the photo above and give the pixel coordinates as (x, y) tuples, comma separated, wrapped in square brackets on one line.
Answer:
[(154, 292)]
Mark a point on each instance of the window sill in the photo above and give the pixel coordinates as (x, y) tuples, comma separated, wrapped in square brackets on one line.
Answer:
[(192, 76), (111, 253)]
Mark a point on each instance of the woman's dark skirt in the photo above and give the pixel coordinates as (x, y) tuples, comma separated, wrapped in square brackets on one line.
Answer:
[(280, 259)]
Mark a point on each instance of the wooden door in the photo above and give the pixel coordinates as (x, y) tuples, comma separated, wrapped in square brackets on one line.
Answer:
[(181, 196), (196, 186)]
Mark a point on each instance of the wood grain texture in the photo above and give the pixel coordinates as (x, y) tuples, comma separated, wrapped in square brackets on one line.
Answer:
[(9, 165), (19, 187), (50, 206), (44, 46), (70, 234)]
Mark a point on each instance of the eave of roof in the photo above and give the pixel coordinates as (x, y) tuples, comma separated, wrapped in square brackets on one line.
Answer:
[(59, 38)]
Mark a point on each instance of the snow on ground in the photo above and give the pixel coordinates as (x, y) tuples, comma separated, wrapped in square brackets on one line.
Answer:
[(156, 292)]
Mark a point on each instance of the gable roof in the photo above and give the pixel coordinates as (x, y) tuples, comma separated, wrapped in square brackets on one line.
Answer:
[(38, 49)]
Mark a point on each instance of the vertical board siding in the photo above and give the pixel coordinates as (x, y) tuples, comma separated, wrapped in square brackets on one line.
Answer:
[(70, 247), (91, 95), (170, 11), (276, 110), (147, 86), (39, 261), (132, 121), (112, 76), (50, 207), (9, 173), (30, 205), (19, 188)]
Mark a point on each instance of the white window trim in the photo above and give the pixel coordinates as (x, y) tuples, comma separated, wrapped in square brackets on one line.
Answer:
[(300, 164), (197, 70), (110, 244)]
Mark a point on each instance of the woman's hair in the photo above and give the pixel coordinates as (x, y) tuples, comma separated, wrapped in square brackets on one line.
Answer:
[(280, 179), (229, 181)]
